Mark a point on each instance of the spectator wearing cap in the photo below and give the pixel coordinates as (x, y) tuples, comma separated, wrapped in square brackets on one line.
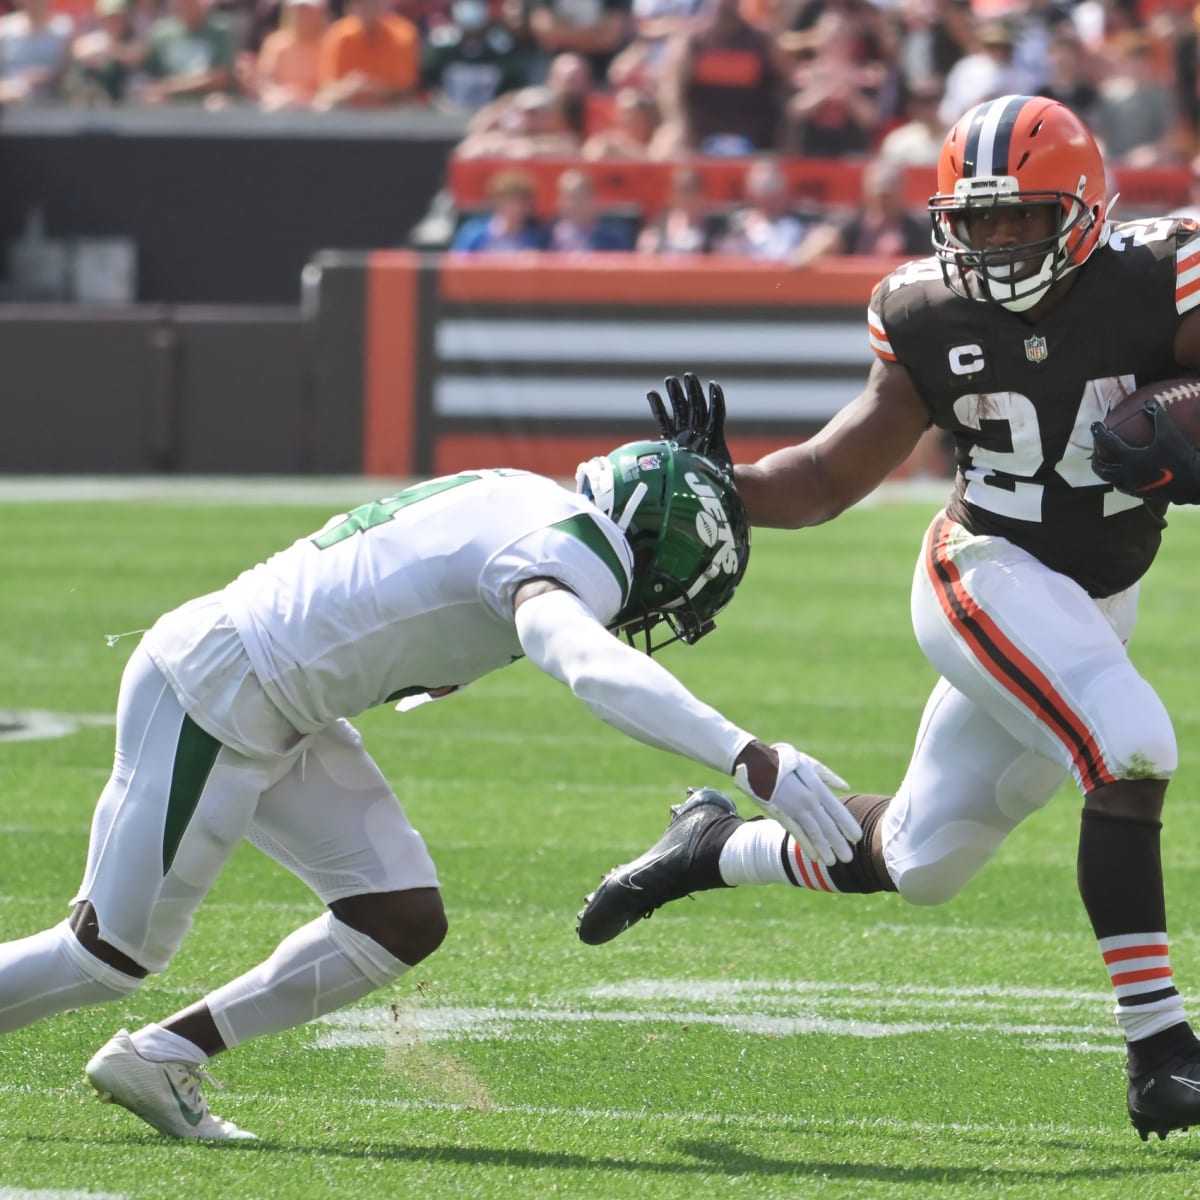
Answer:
[(191, 56), (470, 59), (578, 226), (287, 69), (106, 59), (510, 225), (988, 71), (371, 58), (35, 51)]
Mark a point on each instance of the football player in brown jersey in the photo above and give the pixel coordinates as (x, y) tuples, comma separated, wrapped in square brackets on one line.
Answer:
[(1034, 316)]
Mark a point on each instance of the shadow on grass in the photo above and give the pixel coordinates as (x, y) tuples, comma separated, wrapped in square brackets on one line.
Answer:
[(708, 1157)]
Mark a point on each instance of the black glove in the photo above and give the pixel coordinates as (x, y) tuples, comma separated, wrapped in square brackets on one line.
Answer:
[(1168, 468), (693, 423)]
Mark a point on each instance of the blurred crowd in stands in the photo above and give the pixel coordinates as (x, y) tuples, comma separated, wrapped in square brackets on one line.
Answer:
[(603, 81)]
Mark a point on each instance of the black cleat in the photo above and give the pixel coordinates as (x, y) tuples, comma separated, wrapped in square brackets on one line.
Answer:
[(669, 870), (1167, 1098)]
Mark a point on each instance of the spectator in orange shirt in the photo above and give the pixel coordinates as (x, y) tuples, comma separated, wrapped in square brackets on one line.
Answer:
[(369, 59), (289, 61)]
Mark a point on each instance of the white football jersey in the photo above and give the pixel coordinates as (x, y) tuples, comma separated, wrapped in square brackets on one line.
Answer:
[(415, 592)]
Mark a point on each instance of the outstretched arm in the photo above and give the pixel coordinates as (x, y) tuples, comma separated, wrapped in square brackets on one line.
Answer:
[(632, 692), (843, 462), (815, 480)]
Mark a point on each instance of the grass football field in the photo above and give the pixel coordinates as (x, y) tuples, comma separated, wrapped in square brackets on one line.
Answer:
[(751, 1043)]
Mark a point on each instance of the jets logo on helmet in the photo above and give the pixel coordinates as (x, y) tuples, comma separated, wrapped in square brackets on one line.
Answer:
[(1017, 151), (687, 529), (713, 525)]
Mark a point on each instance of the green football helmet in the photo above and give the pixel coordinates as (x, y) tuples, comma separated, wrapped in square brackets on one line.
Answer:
[(688, 531)]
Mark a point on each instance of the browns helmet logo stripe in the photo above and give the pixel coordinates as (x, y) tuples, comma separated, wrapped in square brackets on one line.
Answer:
[(989, 137)]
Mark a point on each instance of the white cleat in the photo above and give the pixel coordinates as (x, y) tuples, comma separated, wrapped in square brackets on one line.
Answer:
[(164, 1094)]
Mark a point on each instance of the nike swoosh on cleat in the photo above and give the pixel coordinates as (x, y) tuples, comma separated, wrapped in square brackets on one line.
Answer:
[(1187, 1083), (190, 1115), (628, 880), (1164, 478)]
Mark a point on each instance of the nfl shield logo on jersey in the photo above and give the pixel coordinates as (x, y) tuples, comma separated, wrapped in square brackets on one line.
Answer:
[(1035, 349)]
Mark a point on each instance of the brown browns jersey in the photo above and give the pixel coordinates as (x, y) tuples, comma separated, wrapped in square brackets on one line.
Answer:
[(1019, 397)]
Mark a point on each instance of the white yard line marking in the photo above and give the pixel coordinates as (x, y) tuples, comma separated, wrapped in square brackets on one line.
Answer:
[(1037, 1017), (378, 1028), (756, 989), (37, 725), (7, 1193)]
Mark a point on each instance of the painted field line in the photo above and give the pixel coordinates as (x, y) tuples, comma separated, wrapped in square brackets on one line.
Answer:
[(1038, 1018), (37, 725), (757, 989), (484, 1024), (8, 1193)]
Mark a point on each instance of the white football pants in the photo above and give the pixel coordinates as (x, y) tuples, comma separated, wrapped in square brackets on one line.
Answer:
[(178, 803), (1035, 685)]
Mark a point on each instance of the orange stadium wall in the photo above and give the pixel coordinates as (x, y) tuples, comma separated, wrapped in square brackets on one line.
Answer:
[(537, 362)]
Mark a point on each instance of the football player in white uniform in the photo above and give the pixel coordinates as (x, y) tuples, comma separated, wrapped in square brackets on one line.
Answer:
[(1033, 319), (232, 723)]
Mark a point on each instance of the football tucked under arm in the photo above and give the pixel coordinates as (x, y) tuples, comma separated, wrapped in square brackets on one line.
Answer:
[(622, 686), (1146, 446)]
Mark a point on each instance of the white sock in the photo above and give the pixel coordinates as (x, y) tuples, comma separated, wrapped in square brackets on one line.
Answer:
[(764, 852), (157, 1044), (323, 966), (51, 972), (1148, 1019)]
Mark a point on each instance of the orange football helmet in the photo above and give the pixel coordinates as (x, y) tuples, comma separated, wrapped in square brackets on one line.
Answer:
[(1017, 150)]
